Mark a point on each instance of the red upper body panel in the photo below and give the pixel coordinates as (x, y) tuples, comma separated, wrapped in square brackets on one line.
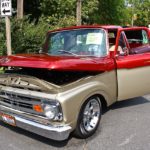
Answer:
[(106, 27), (74, 63)]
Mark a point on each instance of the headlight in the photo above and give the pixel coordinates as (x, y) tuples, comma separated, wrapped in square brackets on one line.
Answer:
[(52, 110)]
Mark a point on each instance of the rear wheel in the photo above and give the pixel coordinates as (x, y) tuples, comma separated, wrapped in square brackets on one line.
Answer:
[(89, 117)]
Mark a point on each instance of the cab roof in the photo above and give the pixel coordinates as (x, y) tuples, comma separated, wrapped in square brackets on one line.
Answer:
[(107, 27)]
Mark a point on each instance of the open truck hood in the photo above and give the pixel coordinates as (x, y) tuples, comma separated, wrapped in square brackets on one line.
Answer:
[(68, 63)]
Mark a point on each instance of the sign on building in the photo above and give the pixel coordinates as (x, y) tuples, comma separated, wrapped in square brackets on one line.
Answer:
[(6, 8)]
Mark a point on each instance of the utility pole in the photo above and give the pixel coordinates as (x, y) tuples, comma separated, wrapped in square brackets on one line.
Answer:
[(20, 4), (6, 11), (132, 21), (8, 35), (132, 7), (78, 12)]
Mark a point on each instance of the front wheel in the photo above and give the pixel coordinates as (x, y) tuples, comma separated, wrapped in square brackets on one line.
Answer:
[(89, 117)]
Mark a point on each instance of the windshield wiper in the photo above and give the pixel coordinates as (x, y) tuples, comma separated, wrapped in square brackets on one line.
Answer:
[(64, 51)]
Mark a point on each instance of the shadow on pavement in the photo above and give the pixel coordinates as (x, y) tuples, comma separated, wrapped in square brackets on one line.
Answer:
[(59, 144), (39, 138), (126, 103), (129, 102)]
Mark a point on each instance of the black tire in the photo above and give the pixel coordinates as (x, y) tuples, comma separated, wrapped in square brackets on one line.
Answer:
[(83, 131)]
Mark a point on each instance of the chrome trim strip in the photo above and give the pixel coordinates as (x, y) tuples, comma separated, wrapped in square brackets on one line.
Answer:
[(37, 125)]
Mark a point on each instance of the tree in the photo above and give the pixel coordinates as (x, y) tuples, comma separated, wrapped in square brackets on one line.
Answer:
[(78, 12), (20, 10), (42, 15), (28, 37), (59, 13), (2, 37), (111, 12), (90, 11), (142, 9), (139, 11)]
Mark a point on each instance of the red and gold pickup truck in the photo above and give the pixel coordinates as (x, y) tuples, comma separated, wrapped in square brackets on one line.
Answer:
[(80, 70)]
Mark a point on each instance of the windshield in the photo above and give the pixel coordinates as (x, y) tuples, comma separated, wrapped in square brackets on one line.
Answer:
[(82, 42)]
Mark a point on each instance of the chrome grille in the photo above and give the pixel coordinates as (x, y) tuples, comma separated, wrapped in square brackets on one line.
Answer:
[(18, 102), (19, 82), (25, 82)]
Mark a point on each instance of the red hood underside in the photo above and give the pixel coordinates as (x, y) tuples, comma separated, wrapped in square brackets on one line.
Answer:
[(58, 62)]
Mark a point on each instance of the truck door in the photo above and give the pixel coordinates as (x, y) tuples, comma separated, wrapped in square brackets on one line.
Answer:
[(133, 62)]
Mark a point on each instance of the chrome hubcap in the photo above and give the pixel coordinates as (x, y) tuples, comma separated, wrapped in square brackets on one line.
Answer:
[(91, 115)]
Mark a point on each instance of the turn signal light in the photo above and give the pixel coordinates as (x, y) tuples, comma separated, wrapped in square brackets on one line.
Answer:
[(38, 108)]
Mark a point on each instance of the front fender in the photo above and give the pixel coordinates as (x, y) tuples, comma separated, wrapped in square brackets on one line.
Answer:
[(73, 97)]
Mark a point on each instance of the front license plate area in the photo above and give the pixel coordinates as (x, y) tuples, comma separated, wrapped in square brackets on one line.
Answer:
[(8, 119)]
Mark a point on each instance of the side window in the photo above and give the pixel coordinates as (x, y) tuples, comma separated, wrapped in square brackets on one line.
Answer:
[(138, 41), (122, 46), (112, 39), (122, 43), (145, 37), (137, 38)]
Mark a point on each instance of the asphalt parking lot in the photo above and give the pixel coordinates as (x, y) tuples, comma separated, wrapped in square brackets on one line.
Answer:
[(124, 126)]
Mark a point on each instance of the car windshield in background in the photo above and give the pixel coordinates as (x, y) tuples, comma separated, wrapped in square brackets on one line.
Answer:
[(83, 42)]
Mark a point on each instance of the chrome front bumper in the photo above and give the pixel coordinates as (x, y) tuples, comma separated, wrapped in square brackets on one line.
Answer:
[(58, 133)]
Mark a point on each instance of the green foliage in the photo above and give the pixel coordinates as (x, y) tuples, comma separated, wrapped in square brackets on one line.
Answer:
[(62, 13), (58, 8), (58, 13), (59, 23), (2, 37), (28, 34), (112, 12), (140, 9), (27, 37), (90, 11)]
